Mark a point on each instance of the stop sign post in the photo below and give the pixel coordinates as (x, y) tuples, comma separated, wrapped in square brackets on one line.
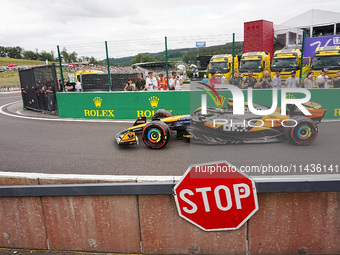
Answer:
[(216, 196)]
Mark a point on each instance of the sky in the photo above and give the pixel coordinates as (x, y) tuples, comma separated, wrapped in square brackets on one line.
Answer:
[(136, 26)]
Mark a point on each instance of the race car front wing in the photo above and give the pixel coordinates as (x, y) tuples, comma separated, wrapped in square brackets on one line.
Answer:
[(127, 137)]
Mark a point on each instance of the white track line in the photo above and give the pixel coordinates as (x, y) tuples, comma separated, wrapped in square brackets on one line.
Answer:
[(81, 120), (89, 177), (49, 119), (154, 178), (9, 97), (330, 120), (9, 92)]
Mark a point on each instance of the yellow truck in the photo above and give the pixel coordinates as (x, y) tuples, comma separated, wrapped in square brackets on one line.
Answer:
[(288, 60), (257, 62), (326, 58), (80, 72), (222, 65)]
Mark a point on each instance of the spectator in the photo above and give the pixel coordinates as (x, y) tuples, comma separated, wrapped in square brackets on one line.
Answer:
[(140, 83), (162, 83), (205, 80), (78, 86), (50, 95), (130, 86), (250, 81), (175, 83), (322, 79), (309, 81), (60, 87), (293, 81), (223, 79), (277, 79), (214, 80), (39, 94), (44, 93), (237, 80), (151, 83), (265, 82), (336, 80), (69, 86)]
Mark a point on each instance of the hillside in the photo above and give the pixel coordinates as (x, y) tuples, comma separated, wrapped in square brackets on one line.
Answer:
[(10, 78), (187, 54), (20, 62)]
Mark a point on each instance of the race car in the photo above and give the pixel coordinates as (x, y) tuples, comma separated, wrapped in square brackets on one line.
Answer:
[(219, 126)]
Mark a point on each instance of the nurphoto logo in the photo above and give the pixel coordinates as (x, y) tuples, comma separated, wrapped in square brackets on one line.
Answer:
[(238, 101)]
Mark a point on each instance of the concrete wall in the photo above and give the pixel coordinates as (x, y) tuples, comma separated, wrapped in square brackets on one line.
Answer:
[(286, 223)]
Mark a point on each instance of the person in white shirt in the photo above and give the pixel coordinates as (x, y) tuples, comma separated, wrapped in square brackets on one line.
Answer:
[(175, 83), (277, 79), (151, 83), (223, 79), (78, 86), (292, 81), (309, 81), (322, 79)]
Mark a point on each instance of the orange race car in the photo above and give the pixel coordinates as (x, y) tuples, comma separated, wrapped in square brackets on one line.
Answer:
[(220, 126)]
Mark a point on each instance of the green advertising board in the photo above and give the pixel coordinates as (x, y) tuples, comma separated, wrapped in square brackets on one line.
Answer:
[(121, 105), (131, 105)]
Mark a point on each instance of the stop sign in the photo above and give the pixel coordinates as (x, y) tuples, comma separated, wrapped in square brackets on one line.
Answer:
[(215, 196)]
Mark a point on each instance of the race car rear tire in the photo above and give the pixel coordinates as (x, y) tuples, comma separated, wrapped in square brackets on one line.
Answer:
[(156, 134), (160, 114), (304, 133)]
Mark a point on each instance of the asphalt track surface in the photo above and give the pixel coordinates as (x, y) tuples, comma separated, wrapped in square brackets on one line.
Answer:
[(43, 143)]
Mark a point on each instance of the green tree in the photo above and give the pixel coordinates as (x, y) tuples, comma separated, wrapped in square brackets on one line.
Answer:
[(141, 58), (92, 60), (14, 52), (46, 55), (213, 50), (73, 56), (189, 73), (3, 51), (65, 56), (31, 55)]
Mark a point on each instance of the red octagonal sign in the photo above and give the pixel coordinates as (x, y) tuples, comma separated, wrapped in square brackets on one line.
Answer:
[(216, 196)]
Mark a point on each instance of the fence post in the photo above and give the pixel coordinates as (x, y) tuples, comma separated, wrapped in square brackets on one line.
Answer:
[(166, 62), (108, 66), (302, 55), (233, 63), (61, 70)]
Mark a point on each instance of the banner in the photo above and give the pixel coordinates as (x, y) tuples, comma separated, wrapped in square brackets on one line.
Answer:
[(201, 44), (122, 105), (312, 43), (132, 105)]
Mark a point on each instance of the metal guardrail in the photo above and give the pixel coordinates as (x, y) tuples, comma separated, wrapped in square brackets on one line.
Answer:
[(97, 189), (163, 188)]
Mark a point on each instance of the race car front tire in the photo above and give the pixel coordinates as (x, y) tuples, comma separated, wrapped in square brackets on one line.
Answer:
[(156, 134), (303, 133)]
